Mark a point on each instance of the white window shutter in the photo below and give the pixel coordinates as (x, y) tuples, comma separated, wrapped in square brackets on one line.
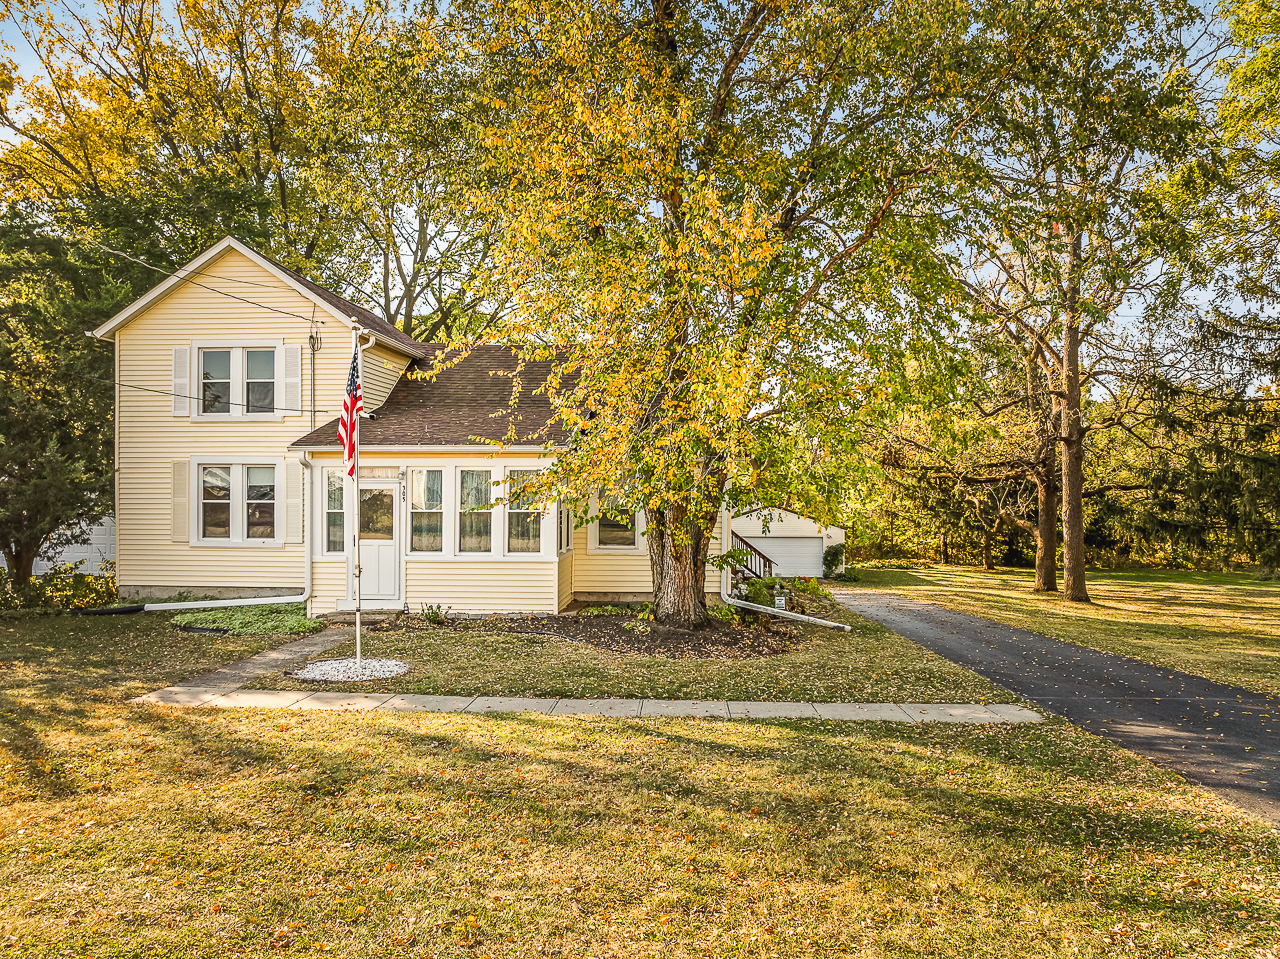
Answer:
[(182, 381), (181, 516), (293, 502), (292, 381)]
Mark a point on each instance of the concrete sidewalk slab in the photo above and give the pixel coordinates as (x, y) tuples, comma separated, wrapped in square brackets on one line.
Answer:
[(509, 704), (685, 707), (745, 710), (259, 698), (184, 695), (428, 704), (342, 701), (863, 712), (1015, 714), (950, 713), (628, 708)]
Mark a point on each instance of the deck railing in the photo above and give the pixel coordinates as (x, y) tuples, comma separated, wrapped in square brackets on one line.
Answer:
[(756, 563)]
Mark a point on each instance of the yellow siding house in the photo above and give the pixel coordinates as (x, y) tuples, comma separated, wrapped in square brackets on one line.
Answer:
[(229, 380)]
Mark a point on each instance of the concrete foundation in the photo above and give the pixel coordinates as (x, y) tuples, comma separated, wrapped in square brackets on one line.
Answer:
[(160, 593)]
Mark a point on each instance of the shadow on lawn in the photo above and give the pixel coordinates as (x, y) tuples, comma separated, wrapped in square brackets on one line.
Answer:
[(832, 791)]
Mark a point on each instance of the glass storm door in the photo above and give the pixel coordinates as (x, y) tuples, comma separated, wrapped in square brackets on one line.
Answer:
[(379, 543)]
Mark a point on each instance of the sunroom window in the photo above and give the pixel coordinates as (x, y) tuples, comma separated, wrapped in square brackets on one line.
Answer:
[(426, 511), (475, 512), (524, 520)]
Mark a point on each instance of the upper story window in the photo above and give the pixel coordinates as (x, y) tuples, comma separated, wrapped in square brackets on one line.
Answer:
[(237, 381)]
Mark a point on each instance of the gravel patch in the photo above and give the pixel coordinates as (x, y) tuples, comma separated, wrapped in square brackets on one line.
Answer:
[(349, 670)]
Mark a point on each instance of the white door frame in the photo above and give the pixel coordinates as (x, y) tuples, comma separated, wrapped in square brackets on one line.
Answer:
[(395, 486)]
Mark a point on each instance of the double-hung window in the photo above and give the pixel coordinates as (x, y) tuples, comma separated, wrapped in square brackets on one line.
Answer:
[(618, 530), (237, 503), (564, 538), (237, 381), (524, 519), (334, 512), (426, 511), (475, 511)]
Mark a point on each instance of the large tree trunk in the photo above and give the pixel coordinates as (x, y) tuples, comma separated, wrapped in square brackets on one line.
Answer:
[(678, 551), (944, 548), (1072, 440), (1046, 531), (987, 561)]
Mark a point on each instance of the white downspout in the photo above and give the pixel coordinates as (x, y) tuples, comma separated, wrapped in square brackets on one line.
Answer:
[(305, 459), (726, 544)]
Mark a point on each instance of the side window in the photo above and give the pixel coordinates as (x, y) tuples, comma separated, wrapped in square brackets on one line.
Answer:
[(215, 502), (426, 511), (524, 520), (260, 381), (475, 513), (334, 515), (618, 530), (215, 381), (565, 530), (260, 502)]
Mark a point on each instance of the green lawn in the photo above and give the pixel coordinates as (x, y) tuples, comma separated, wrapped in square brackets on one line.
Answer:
[(1221, 626), (138, 831), (869, 664)]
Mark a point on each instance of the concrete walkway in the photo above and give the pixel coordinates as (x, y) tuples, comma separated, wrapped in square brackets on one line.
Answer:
[(221, 697), (1222, 737), (221, 688)]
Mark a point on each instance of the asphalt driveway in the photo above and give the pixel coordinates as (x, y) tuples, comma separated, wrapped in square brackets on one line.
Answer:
[(1221, 737)]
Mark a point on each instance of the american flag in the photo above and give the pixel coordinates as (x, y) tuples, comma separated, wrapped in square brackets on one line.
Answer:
[(352, 404)]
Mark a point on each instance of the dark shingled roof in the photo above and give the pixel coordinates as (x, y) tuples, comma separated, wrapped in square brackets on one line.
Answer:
[(457, 407), (370, 321)]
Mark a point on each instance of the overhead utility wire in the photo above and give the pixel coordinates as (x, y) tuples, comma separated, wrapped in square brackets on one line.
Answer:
[(203, 286), (148, 389)]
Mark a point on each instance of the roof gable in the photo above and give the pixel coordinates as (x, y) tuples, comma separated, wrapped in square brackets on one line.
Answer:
[(333, 304)]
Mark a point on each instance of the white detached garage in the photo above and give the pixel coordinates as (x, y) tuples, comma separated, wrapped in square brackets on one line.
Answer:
[(793, 542)]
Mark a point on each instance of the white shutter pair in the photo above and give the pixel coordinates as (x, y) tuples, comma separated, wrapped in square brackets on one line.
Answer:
[(291, 399), (180, 514)]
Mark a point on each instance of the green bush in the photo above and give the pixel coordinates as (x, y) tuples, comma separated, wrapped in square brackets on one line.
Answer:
[(758, 593), (832, 559), (809, 586), (63, 587), (290, 618)]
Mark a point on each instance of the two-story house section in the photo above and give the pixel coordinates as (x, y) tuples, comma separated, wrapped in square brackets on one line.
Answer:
[(230, 377)]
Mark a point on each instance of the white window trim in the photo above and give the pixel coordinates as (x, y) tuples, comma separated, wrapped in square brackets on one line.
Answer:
[(445, 479), (565, 518), (497, 525), (238, 539), (322, 497), (238, 398), (593, 535), (548, 519)]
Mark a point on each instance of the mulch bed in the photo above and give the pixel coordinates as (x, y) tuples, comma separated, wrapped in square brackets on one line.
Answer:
[(629, 635)]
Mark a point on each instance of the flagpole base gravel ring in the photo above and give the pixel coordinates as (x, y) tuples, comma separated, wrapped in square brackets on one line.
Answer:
[(350, 670)]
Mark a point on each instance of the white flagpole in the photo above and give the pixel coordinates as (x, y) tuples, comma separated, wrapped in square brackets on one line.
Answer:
[(355, 460)]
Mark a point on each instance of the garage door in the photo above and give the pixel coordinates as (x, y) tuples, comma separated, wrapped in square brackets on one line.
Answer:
[(791, 555)]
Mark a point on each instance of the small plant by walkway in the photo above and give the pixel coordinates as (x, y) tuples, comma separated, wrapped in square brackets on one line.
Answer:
[(1220, 626)]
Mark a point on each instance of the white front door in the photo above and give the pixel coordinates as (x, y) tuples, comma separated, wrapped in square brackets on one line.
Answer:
[(379, 544)]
